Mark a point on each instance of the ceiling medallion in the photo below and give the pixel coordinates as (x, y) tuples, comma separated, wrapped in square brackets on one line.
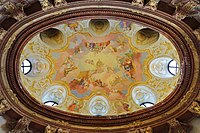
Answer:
[(129, 70)]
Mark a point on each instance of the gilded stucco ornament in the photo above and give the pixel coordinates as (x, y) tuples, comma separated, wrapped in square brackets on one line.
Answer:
[(197, 33), (63, 130), (16, 12), (45, 4), (59, 2), (184, 8), (176, 126), (4, 105), (2, 33), (142, 130), (152, 4), (138, 2), (195, 108), (22, 126), (50, 129)]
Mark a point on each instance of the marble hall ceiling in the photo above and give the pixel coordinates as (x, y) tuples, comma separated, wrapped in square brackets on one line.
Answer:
[(127, 66)]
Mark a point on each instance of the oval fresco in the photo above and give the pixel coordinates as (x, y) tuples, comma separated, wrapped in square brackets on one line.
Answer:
[(105, 66)]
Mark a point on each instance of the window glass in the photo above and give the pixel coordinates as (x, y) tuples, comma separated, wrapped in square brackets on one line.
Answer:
[(26, 66), (50, 103), (146, 104), (173, 67)]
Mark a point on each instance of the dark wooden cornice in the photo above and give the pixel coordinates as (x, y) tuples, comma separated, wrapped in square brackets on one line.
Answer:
[(173, 107)]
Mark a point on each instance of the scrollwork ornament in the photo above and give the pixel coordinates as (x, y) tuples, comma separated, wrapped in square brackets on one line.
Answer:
[(197, 33), (195, 108), (59, 2), (1, 96), (22, 126), (50, 129), (183, 9), (63, 130), (2, 33), (138, 2), (141, 130), (12, 9), (45, 4), (4, 106), (19, 16), (152, 4), (175, 125)]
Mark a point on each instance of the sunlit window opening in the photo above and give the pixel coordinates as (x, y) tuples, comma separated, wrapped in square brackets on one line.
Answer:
[(146, 104), (173, 67), (26, 66), (50, 103)]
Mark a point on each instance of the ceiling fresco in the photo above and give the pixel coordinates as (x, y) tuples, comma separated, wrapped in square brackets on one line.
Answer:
[(100, 67)]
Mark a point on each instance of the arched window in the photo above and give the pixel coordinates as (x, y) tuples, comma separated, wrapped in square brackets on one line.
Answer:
[(146, 104), (164, 67), (143, 96), (54, 95), (51, 103), (35, 66), (98, 106), (26, 66), (173, 67)]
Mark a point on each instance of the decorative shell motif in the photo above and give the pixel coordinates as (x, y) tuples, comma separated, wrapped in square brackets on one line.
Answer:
[(98, 106)]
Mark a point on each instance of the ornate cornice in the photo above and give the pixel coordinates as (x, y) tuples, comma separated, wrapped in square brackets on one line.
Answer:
[(165, 112)]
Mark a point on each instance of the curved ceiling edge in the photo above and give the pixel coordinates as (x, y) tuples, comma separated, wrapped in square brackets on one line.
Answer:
[(186, 47)]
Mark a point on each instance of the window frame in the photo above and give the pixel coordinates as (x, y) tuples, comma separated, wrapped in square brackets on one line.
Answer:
[(176, 67), (145, 105), (54, 103), (23, 66)]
